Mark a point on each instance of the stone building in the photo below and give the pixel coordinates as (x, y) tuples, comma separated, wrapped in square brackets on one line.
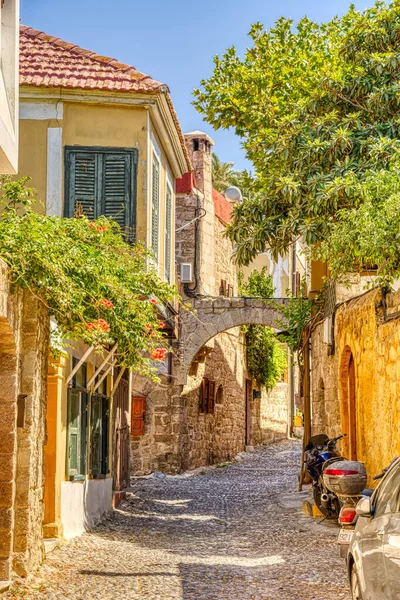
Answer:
[(355, 371), (24, 337), (99, 136), (209, 408)]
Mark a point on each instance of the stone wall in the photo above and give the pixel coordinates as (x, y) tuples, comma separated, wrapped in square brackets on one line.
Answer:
[(368, 328), (270, 415), (24, 338)]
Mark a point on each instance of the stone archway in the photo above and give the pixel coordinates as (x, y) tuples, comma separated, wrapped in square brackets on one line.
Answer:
[(348, 403), (8, 443), (209, 316)]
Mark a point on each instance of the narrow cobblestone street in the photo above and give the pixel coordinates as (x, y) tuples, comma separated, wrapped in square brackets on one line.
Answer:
[(231, 533)]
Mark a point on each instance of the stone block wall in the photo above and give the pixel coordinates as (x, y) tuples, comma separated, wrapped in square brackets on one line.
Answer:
[(370, 332), (270, 415), (24, 339)]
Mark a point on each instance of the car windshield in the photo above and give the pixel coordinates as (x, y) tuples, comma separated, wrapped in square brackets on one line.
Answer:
[(386, 497)]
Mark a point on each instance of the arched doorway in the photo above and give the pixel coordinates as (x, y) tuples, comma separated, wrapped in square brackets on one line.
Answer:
[(348, 403)]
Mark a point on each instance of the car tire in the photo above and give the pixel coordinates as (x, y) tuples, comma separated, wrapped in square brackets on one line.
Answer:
[(355, 584)]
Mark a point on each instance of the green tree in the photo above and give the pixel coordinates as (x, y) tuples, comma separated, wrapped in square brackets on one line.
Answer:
[(99, 288), (316, 107), (266, 356), (222, 173)]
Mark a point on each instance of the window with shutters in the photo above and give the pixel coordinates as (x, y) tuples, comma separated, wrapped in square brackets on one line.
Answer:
[(102, 181), (155, 203), (88, 428), (138, 415), (207, 396), (168, 233), (77, 412), (99, 431)]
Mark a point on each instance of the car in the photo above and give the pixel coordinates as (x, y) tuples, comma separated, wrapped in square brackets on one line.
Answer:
[(373, 559)]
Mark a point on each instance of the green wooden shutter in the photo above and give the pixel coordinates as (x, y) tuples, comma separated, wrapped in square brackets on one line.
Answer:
[(95, 434), (74, 433), (155, 204), (168, 233), (82, 183), (105, 429), (116, 201)]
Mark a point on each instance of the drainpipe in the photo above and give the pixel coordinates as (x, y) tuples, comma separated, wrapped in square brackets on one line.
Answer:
[(291, 354), (307, 398)]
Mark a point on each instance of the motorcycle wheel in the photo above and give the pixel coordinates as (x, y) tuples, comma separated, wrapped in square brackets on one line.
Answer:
[(333, 511)]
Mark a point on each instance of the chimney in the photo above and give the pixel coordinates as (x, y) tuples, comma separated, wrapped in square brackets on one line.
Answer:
[(199, 146)]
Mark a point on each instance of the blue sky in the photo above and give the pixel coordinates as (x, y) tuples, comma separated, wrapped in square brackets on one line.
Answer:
[(172, 40)]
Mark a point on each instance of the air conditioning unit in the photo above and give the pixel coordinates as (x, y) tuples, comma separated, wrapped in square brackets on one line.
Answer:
[(186, 273)]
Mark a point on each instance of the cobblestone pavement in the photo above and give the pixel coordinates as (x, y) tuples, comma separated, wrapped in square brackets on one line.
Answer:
[(231, 533)]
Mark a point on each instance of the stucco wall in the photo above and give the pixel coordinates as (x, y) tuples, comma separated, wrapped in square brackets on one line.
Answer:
[(84, 504)]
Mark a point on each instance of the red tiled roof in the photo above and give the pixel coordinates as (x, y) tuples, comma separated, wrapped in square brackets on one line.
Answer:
[(47, 61), (222, 207)]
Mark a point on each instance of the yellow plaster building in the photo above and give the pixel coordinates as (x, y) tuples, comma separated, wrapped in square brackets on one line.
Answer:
[(100, 137)]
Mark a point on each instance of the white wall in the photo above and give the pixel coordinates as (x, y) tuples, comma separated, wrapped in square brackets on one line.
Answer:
[(84, 504)]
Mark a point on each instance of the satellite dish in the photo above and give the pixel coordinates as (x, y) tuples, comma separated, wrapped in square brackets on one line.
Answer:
[(233, 194)]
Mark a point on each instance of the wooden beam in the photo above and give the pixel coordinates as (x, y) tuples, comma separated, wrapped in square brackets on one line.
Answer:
[(79, 364), (105, 361), (102, 378), (122, 371)]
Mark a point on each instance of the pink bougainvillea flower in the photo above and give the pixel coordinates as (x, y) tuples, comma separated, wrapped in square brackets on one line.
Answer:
[(153, 301), (106, 303)]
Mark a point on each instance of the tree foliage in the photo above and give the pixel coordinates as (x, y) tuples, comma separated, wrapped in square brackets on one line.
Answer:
[(316, 106), (99, 288), (367, 238), (297, 314), (266, 356)]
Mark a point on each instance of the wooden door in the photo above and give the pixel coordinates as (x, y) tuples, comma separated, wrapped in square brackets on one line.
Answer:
[(352, 410), (249, 415), (121, 449)]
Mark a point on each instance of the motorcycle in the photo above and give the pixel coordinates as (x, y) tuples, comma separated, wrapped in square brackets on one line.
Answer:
[(320, 452)]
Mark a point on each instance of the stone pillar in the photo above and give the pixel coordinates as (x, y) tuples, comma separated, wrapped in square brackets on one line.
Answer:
[(52, 526)]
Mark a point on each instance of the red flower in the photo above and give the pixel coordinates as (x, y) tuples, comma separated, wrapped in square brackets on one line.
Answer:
[(100, 229), (148, 326), (153, 301), (159, 353), (106, 303), (101, 324), (92, 225), (161, 324)]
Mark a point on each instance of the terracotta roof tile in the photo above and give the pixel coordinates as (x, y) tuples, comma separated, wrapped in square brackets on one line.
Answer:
[(47, 61)]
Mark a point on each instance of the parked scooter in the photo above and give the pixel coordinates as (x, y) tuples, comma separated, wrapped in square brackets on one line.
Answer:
[(320, 451)]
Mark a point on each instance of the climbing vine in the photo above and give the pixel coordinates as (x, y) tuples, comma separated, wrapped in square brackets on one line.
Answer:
[(296, 315), (99, 288), (266, 356)]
